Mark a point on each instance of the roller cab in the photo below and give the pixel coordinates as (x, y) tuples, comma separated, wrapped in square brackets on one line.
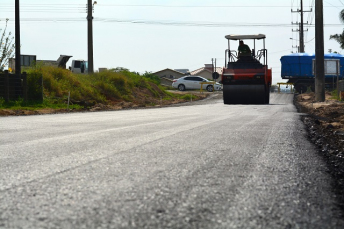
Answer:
[(246, 78)]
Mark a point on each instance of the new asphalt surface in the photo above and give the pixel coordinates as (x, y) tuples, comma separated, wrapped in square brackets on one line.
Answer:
[(197, 165)]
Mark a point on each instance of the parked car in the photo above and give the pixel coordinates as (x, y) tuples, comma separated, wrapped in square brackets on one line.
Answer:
[(194, 82)]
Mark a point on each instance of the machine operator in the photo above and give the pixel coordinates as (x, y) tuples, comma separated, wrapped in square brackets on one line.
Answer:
[(243, 49)]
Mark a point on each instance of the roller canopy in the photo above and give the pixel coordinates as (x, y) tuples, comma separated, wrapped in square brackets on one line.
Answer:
[(245, 37)]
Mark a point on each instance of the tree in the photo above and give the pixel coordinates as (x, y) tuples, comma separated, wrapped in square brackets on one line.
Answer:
[(339, 37), (6, 48), (341, 16)]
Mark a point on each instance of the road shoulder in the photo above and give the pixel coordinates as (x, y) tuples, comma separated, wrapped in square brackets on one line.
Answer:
[(325, 125)]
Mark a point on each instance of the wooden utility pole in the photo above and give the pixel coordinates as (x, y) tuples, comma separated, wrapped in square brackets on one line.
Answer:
[(90, 36), (301, 31), (302, 44), (17, 38), (319, 53)]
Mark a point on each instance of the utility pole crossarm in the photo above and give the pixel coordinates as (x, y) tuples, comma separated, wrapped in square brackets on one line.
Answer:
[(301, 30)]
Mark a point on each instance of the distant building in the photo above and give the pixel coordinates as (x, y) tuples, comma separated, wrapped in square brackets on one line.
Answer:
[(185, 71), (25, 60), (206, 71), (168, 75), (102, 69)]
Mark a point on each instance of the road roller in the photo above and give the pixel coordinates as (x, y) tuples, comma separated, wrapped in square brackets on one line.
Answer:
[(246, 78)]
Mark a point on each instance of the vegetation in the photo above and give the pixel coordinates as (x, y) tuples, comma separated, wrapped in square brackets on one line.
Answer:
[(335, 94), (6, 48), (108, 88), (339, 37)]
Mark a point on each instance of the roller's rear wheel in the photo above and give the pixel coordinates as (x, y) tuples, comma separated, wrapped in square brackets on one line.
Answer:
[(245, 94)]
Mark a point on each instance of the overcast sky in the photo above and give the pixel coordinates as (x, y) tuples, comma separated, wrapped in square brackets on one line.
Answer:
[(151, 35)]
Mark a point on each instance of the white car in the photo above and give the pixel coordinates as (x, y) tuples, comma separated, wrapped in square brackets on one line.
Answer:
[(194, 82)]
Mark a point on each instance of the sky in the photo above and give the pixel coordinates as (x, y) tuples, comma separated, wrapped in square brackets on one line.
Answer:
[(152, 35)]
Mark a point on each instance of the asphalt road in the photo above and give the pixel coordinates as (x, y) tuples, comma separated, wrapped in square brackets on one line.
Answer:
[(206, 165)]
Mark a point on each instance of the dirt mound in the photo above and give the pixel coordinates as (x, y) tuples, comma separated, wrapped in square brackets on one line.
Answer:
[(330, 113)]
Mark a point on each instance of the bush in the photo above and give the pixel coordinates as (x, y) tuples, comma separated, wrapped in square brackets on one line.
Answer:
[(34, 85), (153, 78)]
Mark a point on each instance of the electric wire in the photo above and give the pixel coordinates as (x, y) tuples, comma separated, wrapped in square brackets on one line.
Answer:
[(330, 3), (310, 16), (163, 23), (76, 6), (71, 8), (279, 51)]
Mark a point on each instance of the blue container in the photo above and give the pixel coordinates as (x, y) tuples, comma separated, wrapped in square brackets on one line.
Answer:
[(299, 65)]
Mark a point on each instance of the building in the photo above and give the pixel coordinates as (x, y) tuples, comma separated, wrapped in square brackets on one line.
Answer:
[(206, 71), (168, 75)]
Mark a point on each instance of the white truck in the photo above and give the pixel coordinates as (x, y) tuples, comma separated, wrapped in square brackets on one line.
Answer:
[(79, 66)]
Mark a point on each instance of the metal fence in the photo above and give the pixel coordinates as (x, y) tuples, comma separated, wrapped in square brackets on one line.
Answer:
[(15, 86)]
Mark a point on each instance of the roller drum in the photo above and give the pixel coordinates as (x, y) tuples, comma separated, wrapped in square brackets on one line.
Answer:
[(245, 94)]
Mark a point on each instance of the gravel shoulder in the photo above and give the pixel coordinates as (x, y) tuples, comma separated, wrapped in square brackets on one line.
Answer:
[(325, 124)]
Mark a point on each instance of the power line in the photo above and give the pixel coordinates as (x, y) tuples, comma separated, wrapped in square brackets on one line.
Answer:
[(310, 40), (310, 16), (167, 23), (209, 6), (69, 6), (330, 4), (280, 51), (190, 6), (80, 8)]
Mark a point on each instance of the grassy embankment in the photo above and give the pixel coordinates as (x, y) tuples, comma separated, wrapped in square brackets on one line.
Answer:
[(110, 88)]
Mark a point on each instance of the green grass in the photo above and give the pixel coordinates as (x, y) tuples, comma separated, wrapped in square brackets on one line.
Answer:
[(20, 104), (334, 95), (105, 87), (188, 97)]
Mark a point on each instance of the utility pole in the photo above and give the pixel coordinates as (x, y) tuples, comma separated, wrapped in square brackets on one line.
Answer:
[(301, 30), (319, 52), (17, 39), (296, 47), (90, 36), (302, 43), (212, 64)]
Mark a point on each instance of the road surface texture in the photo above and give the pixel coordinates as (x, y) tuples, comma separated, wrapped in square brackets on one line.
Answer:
[(205, 165)]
